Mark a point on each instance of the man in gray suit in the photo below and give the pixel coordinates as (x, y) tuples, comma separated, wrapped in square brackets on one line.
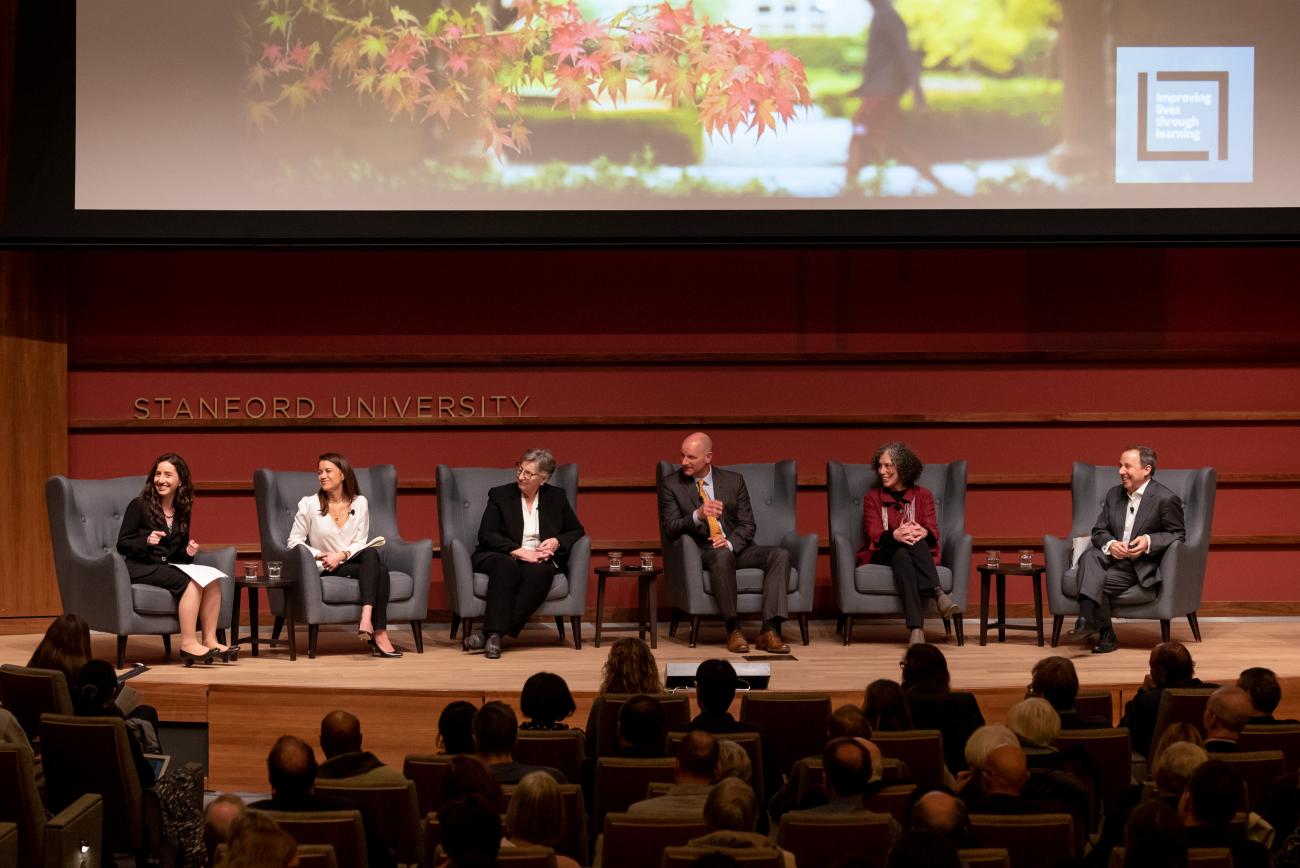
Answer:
[(711, 506), (1140, 518)]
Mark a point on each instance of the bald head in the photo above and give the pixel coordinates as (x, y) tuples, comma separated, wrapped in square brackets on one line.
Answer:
[(1226, 712), (291, 766), (697, 455), (1006, 771), (340, 733), (941, 812)]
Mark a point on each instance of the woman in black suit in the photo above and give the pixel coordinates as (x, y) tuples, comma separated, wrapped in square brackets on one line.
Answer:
[(155, 536), (523, 541)]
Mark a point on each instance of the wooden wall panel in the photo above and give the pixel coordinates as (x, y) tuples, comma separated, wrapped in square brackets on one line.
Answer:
[(34, 398)]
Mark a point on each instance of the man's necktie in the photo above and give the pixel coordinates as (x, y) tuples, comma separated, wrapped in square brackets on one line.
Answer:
[(715, 529)]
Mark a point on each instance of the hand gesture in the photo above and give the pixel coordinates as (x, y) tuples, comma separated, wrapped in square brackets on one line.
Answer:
[(711, 508), (719, 540), (549, 547), (329, 561), (1138, 547), (156, 536), (530, 556), (192, 549), (1120, 551)]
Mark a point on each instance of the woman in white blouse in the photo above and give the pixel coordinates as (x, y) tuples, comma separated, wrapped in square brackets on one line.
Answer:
[(334, 523)]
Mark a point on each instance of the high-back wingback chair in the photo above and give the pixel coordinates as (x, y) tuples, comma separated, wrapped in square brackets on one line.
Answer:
[(1182, 566), (869, 589), (85, 518), (462, 498), (772, 487), (334, 599)]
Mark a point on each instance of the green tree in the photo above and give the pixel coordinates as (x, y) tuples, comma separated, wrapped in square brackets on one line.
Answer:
[(996, 34)]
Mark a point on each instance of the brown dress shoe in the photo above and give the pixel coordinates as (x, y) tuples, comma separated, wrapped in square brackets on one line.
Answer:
[(736, 643), (771, 643)]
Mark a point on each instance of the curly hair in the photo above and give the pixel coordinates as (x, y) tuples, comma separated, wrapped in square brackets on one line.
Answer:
[(905, 461), (630, 668), (182, 500)]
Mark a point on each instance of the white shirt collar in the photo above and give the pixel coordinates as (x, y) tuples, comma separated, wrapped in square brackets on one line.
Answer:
[(1141, 491)]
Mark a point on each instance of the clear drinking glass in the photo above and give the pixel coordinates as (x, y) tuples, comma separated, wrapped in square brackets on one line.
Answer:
[(1026, 557), (250, 570), (992, 558), (273, 569), (647, 560), (616, 560)]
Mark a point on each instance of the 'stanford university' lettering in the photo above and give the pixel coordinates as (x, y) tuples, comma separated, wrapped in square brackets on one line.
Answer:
[(340, 407)]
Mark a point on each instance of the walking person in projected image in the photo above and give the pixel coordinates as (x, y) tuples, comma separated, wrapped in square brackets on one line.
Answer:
[(155, 538), (334, 524)]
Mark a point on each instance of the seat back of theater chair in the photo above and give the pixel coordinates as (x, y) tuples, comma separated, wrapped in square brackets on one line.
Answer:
[(317, 856), (1197, 857), (563, 749), (1259, 769), (1033, 840), (920, 749), (752, 742), (892, 800), (1180, 705), (677, 711), (817, 838), (793, 724), (573, 843), (27, 693), (1111, 753), (1274, 736), (342, 830), (1095, 703), (751, 857), (984, 857), (394, 812), (426, 771), (620, 782), (636, 841), (82, 755), (526, 857)]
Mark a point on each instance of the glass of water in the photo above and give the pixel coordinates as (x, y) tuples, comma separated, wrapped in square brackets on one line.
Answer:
[(273, 569), (250, 570)]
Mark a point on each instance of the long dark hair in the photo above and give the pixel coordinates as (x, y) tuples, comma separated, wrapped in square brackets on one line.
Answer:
[(350, 487), (886, 708), (65, 648), (925, 669), (182, 500)]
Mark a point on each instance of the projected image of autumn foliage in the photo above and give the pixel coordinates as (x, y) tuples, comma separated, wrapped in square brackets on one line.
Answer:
[(475, 79)]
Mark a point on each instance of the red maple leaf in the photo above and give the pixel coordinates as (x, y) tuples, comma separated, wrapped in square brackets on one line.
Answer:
[(641, 41), (442, 103), (458, 63), (571, 86), (567, 44), (496, 139), (300, 54), (272, 52), (672, 20), (318, 81)]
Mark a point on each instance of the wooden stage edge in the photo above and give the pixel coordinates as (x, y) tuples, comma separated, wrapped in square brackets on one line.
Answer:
[(247, 705)]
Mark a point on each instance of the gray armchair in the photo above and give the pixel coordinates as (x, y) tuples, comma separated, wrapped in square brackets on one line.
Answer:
[(85, 517), (1182, 566), (772, 488), (462, 498), (334, 599), (869, 589)]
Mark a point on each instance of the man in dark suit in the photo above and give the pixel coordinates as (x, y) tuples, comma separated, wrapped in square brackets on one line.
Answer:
[(1265, 695), (1171, 666), (291, 767), (711, 506), (1055, 679), (1140, 518), (1225, 717)]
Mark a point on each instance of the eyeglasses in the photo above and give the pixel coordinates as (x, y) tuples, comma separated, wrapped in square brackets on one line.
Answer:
[(526, 475)]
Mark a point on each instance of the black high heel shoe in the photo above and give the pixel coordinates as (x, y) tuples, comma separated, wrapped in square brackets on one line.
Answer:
[(190, 659), (230, 655), (380, 652)]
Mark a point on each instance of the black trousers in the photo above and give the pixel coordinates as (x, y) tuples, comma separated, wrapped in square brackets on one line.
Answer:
[(369, 571), (915, 577), (1100, 578), (774, 561), (516, 589)]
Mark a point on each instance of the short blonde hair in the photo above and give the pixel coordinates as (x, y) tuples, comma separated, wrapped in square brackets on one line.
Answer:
[(536, 813), (734, 762), (1034, 720), (985, 740)]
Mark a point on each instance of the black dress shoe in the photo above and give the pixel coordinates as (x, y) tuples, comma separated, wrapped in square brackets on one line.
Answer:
[(380, 652), (1083, 629), (475, 642), (1107, 643), (492, 648)]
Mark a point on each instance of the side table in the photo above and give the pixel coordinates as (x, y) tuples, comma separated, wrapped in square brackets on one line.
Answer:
[(1001, 571), (289, 586), (646, 599)]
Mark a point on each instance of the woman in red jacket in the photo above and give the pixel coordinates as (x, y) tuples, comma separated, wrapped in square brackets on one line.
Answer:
[(901, 531)]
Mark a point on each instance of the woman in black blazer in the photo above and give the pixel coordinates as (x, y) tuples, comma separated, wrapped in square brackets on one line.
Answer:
[(155, 536), (524, 539)]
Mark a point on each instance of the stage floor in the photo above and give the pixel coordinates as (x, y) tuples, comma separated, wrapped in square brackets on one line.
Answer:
[(248, 704)]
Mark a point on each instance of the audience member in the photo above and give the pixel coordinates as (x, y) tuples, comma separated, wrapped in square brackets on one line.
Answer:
[(940, 812), (886, 708), (536, 815), (981, 743), (1035, 723), (257, 841), (1054, 679), (12, 733), (456, 728), (64, 648), (1002, 782), (695, 770), (1171, 665), (468, 775), (935, 706), (641, 723), (1226, 714), (846, 771), (93, 695), (495, 732), (1173, 767), (920, 849), (1265, 695), (471, 832), (734, 762), (345, 761), (1179, 731), (291, 770), (1154, 838), (847, 721), (1214, 795), (546, 702), (715, 689), (730, 814), (629, 668), (217, 817)]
